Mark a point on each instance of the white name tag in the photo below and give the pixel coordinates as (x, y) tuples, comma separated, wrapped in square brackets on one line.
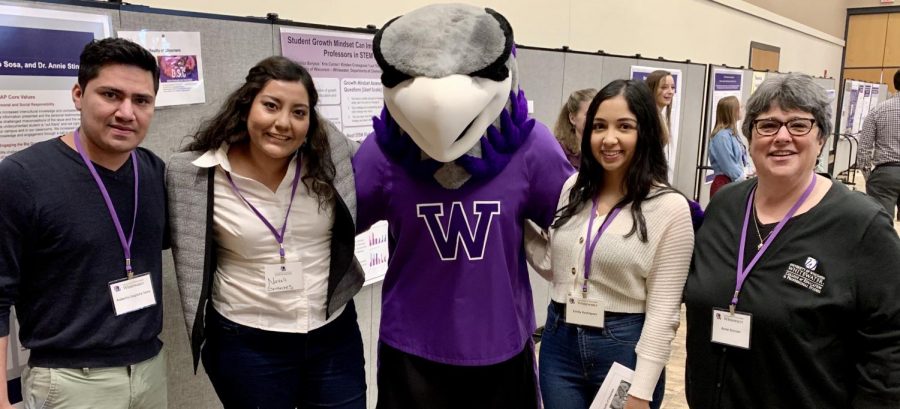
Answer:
[(731, 329), (584, 311), (284, 277), (132, 294)]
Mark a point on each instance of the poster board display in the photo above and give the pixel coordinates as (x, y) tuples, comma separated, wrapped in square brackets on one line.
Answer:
[(726, 82), (348, 81), (180, 61), (640, 72), (345, 72), (39, 52)]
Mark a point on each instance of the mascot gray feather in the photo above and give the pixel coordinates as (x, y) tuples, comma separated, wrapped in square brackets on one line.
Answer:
[(451, 89)]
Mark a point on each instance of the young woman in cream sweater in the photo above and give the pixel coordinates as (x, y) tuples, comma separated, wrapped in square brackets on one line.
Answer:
[(619, 254)]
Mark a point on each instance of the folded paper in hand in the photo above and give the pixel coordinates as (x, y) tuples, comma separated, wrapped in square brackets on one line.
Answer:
[(614, 389)]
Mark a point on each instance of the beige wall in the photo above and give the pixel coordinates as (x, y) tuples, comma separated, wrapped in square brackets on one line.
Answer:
[(869, 3), (701, 30), (824, 15)]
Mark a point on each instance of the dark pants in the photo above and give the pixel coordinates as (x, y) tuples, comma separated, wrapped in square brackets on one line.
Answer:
[(575, 359), (718, 182), (409, 382), (883, 185), (253, 368)]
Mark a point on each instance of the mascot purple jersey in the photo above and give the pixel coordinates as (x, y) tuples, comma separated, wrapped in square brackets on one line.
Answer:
[(456, 167)]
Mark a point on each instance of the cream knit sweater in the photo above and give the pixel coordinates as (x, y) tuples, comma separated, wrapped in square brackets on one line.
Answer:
[(628, 275)]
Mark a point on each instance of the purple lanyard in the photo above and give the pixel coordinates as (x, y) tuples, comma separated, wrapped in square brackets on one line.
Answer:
[(126, 243), (590, 245), (743, 272), (279, 237)]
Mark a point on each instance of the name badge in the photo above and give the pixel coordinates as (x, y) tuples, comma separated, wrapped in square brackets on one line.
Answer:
[(284, 277), (132, 294), (584, 311), (731, 329)]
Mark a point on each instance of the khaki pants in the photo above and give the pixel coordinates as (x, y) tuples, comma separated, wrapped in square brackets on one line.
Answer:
[(138, 386)]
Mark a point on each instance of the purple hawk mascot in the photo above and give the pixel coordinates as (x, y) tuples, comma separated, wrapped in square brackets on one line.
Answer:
[(457, 167)]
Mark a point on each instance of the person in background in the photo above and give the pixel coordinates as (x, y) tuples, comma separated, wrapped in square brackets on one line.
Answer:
[(82, 229), (619, 251), (727, 154), (879, 151), (570, 122), (662, 85), (263, 205), (792, 294)]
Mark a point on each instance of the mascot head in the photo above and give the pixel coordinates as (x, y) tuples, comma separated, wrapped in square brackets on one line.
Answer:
[(448, 73)]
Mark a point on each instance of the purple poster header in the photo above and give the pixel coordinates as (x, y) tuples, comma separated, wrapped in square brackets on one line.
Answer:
[(727, 82), (41, 52), (642, 76), (331, 56)]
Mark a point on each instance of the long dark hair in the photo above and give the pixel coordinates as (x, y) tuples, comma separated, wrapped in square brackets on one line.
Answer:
[(230, 123), (648, 166)]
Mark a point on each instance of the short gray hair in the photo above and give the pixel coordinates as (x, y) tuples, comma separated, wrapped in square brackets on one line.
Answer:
[(790, 92)]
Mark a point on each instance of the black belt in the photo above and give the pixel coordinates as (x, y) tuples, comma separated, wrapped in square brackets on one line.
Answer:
[(888, 165)]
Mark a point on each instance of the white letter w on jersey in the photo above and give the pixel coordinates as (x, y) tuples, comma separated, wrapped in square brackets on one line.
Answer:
[(459, 229)]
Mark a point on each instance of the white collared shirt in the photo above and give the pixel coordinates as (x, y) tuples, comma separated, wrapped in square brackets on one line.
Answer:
[(246, 246)]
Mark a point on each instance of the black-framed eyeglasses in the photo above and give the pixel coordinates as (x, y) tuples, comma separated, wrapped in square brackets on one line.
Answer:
[(796, 126)]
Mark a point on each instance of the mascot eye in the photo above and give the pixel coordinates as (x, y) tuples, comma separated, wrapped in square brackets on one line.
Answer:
[(390, 77), (498, 71)]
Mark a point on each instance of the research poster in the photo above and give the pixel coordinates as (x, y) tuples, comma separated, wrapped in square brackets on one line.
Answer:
[(640, 73), (871, 101), (851, 109), (180, 63), (845, 108), (345, 72), (39, 52), (858, 112), (726, 83), (867, 103), (822, 165), (758, 78), (875, 98), (372, 251), (348, 81)]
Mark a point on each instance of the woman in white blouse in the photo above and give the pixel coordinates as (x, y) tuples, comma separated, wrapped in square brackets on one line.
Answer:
[(262, 209), (619, 254)]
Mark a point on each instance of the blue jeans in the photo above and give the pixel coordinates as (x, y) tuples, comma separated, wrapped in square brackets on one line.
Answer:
[(574, 359), (254, 368)]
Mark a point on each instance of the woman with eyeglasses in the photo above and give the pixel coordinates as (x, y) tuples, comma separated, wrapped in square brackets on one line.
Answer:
[(792, 294)]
